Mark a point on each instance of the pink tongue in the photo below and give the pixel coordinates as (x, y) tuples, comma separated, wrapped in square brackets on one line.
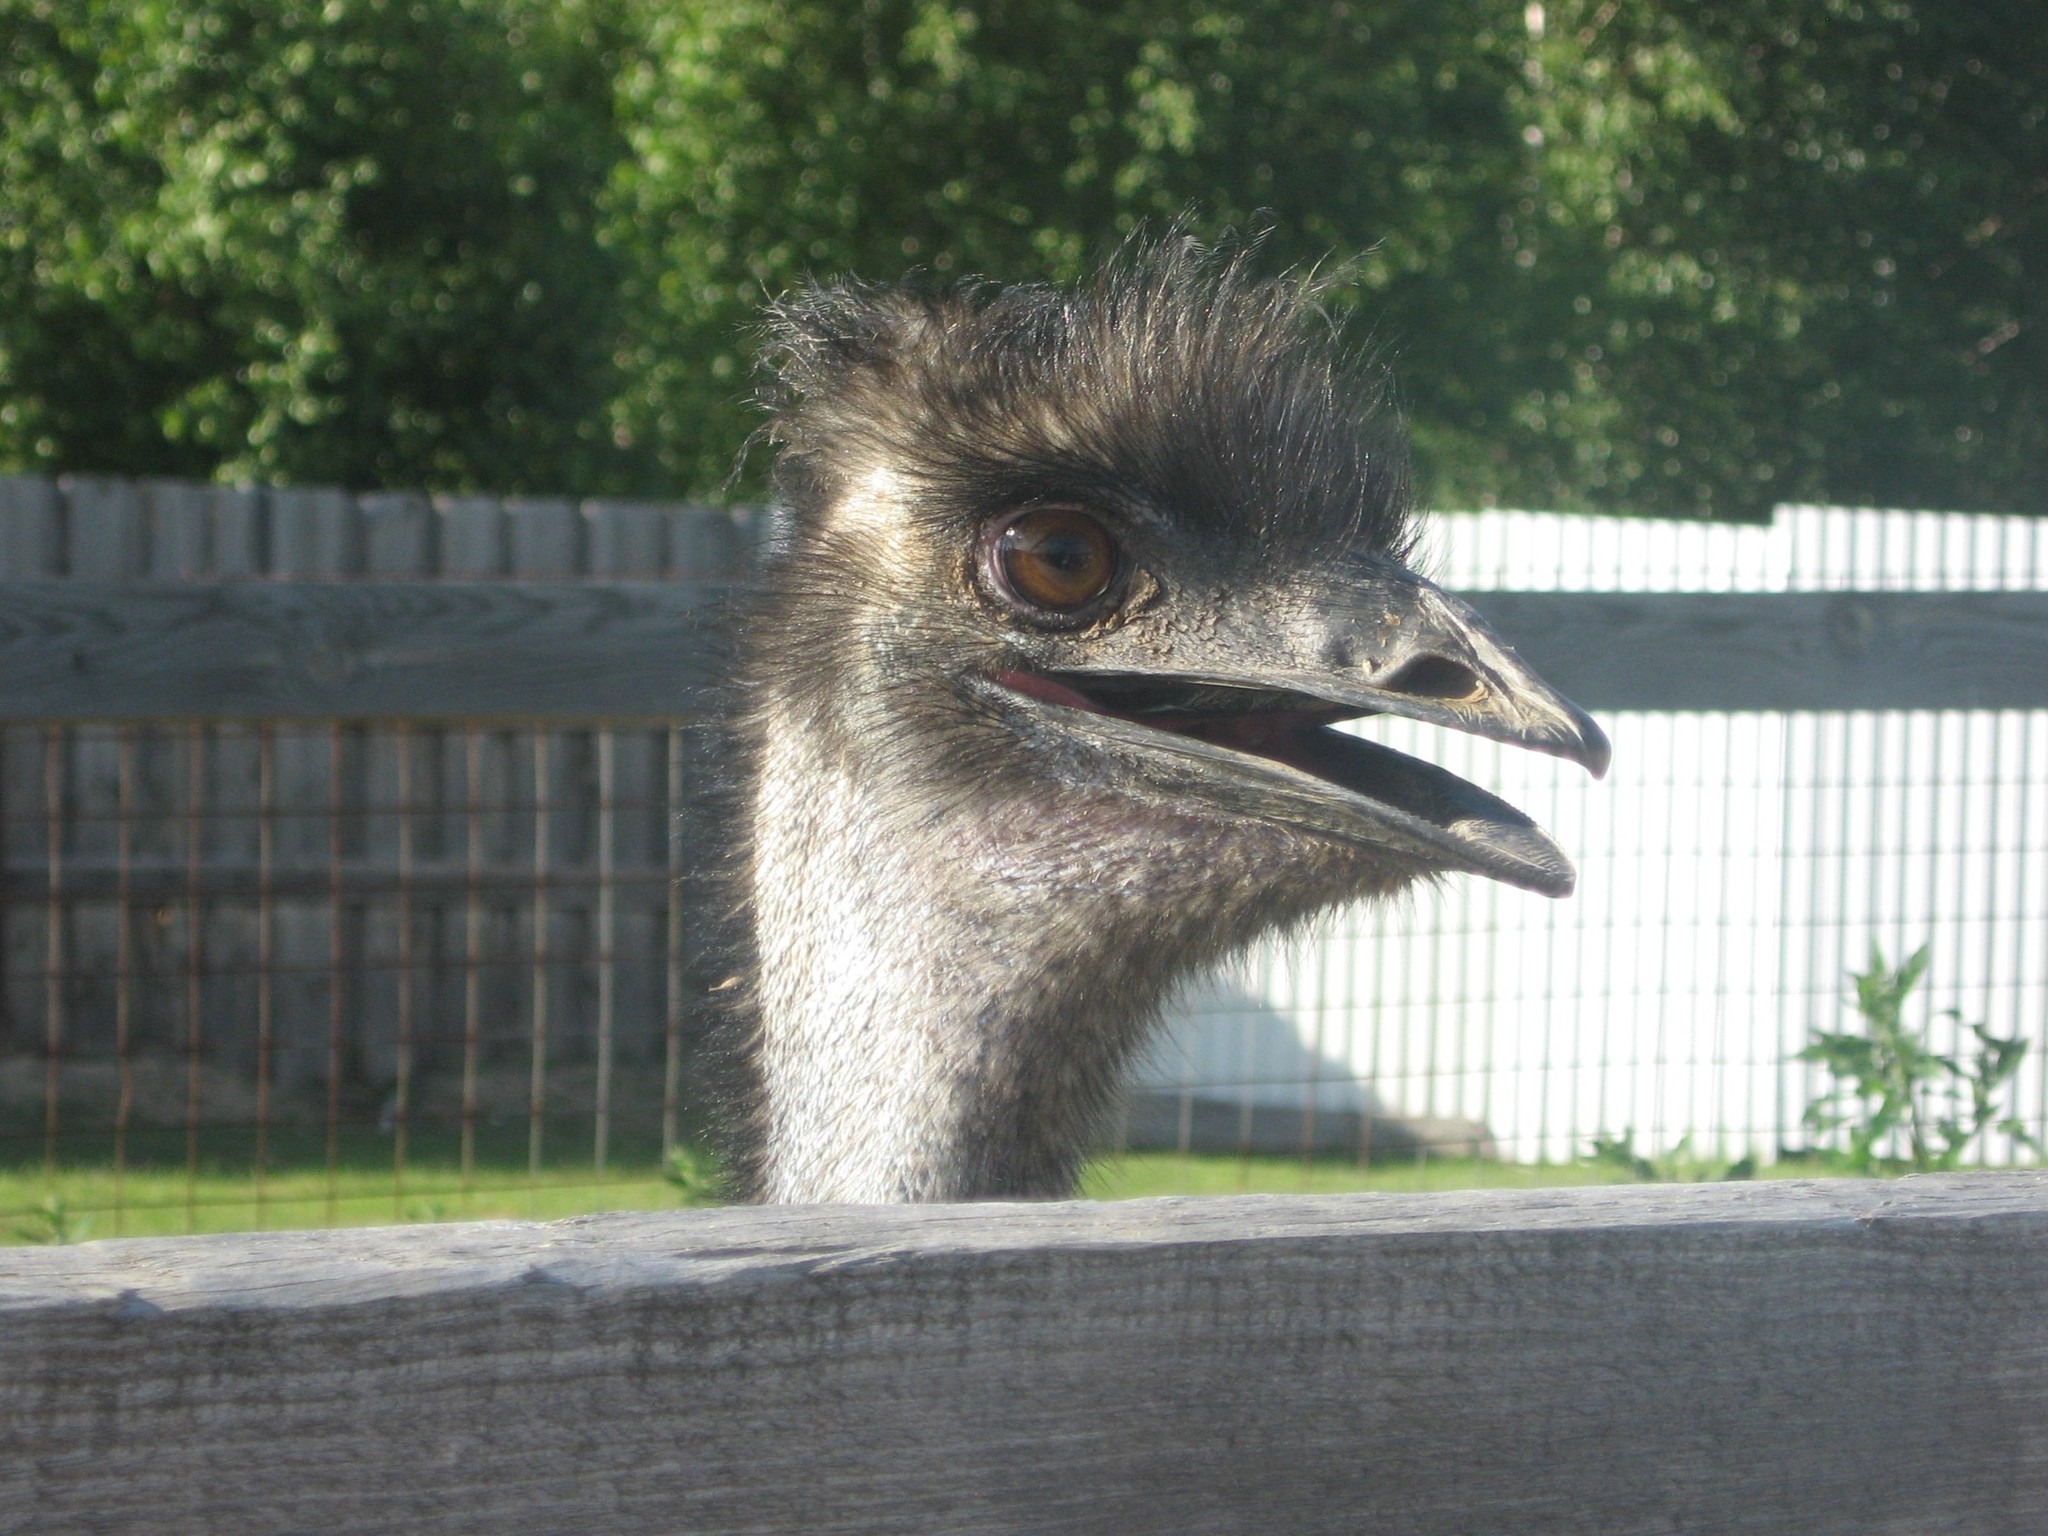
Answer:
[(1045, 688)]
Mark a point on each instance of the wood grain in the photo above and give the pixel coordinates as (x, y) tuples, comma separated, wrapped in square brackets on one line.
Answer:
[(535, 649), (1822, 1358), (1782, 650), (323, 651)]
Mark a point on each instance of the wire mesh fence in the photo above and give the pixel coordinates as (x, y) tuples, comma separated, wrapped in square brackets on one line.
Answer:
[(453, 952), (266, 971), (1735, 868)]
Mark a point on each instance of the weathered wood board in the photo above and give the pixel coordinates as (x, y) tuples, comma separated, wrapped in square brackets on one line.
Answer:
[(1772, 1358), (358, 650), (1792, 651), (534, 649)]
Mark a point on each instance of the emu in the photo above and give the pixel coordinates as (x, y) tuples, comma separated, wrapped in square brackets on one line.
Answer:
[(1039, 681)]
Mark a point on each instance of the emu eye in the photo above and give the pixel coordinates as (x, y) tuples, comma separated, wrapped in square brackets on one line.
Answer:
[(1055, 558)]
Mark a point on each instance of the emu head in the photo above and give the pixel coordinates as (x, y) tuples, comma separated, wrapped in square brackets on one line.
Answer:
[(1073, 586)]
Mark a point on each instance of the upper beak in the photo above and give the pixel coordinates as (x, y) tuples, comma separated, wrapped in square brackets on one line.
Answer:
[(1397, 644)]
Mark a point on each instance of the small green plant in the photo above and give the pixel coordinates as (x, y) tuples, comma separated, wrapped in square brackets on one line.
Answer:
[(53, 1222), (1678, 1166), (695, 1174), (1891, 1087)]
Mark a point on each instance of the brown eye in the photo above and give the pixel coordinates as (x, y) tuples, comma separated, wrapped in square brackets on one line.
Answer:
[(1058, 558)]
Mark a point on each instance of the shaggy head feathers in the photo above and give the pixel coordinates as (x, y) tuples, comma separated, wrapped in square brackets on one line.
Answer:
[(1174, 379)]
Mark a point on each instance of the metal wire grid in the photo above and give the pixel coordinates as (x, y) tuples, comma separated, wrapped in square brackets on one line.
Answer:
[(369, 928), (414, 912), (1734, 870)]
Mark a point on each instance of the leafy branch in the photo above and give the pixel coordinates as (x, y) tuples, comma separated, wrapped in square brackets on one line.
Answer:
[(1891, 1086)]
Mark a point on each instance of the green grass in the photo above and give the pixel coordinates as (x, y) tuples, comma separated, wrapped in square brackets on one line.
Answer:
[(1136, 1175), (156, 1194), (156, 1203)]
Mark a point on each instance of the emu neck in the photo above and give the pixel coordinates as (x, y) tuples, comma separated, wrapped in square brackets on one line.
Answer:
[(944, 1010)]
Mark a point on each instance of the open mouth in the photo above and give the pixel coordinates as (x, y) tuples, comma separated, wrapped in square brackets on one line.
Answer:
[(1269, 723), (1405, 803)]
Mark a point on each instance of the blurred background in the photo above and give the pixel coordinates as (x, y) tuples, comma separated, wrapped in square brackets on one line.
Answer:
[(1735, 296)]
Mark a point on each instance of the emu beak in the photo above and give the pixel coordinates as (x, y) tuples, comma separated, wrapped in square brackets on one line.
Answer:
[(1426, 655), (1239, 714)]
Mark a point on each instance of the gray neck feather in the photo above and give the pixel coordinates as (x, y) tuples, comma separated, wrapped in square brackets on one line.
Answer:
[(941, 1015), (948, 990)]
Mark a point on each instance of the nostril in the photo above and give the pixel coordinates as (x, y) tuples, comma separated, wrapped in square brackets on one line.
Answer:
[(1435, 677)]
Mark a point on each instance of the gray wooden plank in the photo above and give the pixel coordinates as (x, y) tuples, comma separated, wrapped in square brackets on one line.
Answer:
[(546, 537), (177, 546), (180, 529), (705, 544), (402, 541), (31, 545), (1827, 1358), (239, 547), (628, 539), (241, 530), (635, 986), (1782, 650), (474, 541), (316, 534), (179, 998), (31, 526), (107, 540), (106, 528), (350, 651), (400, 534), (1960, 650)]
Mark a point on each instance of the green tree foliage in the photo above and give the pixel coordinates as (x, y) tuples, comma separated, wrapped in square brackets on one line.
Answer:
[(316, 240), (1631, 254), (1804, 248), (782, 138)]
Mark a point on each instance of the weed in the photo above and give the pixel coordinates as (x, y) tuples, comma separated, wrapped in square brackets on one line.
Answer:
[(695, 1174), (1678, 1166), (1890, 1086), (53, 1222)]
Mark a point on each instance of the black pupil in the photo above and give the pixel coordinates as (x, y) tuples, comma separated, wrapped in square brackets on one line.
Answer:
[(1067, 553)]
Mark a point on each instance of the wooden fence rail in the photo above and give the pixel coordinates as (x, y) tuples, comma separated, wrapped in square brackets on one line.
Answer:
[(1841, 1357), (577, 650), (413, 650)]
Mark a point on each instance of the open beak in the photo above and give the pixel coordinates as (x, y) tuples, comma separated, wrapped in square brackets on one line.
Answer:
[(1241, 715)]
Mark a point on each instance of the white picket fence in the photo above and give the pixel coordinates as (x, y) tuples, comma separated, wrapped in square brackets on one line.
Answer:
[(1734, 868)]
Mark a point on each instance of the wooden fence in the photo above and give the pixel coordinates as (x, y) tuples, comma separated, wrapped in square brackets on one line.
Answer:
[(323, 790), (1819, 1358), (1832, 1359), (316, 786)]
